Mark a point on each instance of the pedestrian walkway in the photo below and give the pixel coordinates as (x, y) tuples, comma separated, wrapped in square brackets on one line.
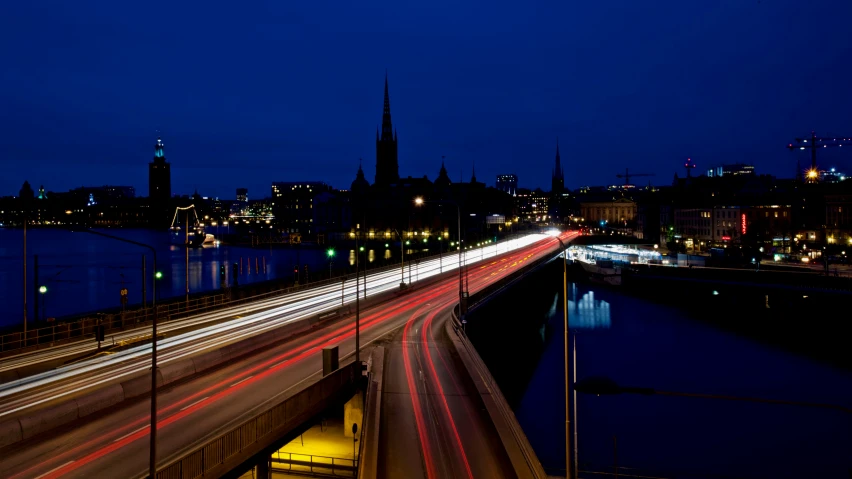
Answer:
[(322, 450)]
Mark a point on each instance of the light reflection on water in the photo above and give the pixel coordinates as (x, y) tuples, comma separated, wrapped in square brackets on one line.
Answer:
[(588, 312)]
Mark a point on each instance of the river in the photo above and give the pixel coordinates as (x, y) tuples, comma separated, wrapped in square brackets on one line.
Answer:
[(643, 343), (85, 273)]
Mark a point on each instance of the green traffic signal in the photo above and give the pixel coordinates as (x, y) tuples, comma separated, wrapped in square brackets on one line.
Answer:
[(42, 289), (361, 248), (330, 253), (158, 275)]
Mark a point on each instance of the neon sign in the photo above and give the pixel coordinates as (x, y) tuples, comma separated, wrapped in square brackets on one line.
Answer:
[(743, 217), (726, 238)]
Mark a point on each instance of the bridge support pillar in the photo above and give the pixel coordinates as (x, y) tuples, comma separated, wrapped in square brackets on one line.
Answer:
[(353, 413), (263, 469)]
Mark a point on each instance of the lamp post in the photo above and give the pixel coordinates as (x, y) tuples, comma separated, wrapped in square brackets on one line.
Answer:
[(152, 460), (330, 255), (569, 467), (419, 202), (42, 289), (604, 386)]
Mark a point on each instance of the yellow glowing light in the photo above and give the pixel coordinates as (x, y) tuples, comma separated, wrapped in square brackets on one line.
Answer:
[(813, 173)]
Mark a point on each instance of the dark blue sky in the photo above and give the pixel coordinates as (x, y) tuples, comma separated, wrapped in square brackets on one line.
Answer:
[(246, 94)]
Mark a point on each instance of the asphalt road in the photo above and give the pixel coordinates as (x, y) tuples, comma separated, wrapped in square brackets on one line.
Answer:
[(114, 443), (434, 424)]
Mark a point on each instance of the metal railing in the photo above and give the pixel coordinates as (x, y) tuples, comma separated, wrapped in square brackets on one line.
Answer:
[(312, 464), (262, 430)]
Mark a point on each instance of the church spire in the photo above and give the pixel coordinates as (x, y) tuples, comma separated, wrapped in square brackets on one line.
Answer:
[(557, 183), (473, 175), (387, 163), (387, 127)]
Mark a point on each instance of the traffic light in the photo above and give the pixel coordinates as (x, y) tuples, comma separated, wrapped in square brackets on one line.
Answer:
[(235, 273), (222, 279), (158, 275), (100, 332), (306, 272)]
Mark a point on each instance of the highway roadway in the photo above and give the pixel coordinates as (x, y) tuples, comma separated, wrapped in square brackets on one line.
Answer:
[(114, 442), (426, 389), (26, 394)]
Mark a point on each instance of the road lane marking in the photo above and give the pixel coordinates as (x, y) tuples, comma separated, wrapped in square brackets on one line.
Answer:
[(53, 470), (241, 380), (193, 404), (129, 434)]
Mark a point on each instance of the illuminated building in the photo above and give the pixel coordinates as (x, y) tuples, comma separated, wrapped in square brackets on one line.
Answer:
[(506, 183), (293, 206), (736, 169), (694, 226), (159, 175), (614, 212), (727, 225)]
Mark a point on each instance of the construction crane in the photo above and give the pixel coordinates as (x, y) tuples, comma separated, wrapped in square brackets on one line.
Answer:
[(689, 165), (627, 176), (813, 143)]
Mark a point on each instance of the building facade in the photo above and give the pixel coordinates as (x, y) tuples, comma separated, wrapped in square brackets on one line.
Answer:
[(618, 211), (507, 183), (159, 175)]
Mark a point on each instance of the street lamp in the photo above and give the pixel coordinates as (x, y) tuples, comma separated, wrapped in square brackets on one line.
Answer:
[(42, 289), (605, 386), (330, 254), (419, 202), (152, 459), (569, 468)]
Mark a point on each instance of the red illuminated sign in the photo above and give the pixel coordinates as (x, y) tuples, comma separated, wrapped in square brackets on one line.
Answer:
[(743, 222), (726, 238)]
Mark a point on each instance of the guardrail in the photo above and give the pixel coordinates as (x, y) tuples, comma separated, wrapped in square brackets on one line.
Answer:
[(315, 465), (234, 447)]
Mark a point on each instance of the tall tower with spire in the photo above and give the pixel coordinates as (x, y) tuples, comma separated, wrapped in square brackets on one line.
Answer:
[(557, 183), (387, 164), (159, 175)]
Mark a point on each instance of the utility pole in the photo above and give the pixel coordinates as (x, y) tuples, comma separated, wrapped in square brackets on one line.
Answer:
[(35, 286), (357, 300), (25, 277), (144, 298)]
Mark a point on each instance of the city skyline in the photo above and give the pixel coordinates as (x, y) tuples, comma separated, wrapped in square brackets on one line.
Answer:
[(730, 90)]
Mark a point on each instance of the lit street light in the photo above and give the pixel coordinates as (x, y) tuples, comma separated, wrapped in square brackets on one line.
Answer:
[(42, 289), (330, 254)]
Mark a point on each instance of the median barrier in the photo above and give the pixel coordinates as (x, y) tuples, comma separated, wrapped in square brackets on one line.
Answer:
[(100, 399), (208, 360), (10, 432), (174, 370), (139, 385), (48, 418)]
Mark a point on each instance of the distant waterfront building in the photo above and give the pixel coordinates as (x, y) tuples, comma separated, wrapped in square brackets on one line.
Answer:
[(736, 169), (611, 212), (387, 162), (293, 206), (833, 176), (242, 195), (159, 175), (508, 184), (532, 206)]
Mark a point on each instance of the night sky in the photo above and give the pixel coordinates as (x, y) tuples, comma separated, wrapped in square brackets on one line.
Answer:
[(245, 94)]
